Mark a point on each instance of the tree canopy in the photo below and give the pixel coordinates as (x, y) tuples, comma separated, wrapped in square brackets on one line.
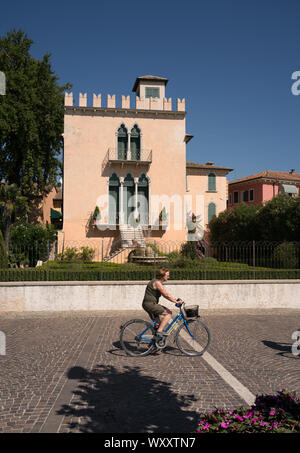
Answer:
[(276, 220), (31, 117)]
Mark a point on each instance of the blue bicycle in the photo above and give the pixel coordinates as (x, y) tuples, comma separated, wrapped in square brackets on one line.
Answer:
[(139, 338)]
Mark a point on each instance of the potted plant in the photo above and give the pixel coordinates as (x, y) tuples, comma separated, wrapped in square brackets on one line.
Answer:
[(162, 216), (96, 214), (192, 224)]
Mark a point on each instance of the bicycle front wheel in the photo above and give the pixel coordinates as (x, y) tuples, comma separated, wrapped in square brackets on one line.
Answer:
[(136, 337), (193, 339)]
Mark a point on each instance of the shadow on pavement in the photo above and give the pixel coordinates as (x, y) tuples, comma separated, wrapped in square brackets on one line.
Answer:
[(108, 400), (284, 348), (118, 351)]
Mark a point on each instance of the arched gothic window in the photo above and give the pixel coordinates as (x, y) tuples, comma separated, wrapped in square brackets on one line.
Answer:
[(212, 182), (211, 211), (135, 143), (114, 199), (143, 199), (122, 142)]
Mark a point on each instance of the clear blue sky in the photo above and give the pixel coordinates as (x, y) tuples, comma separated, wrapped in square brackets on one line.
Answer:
[(231, 59)]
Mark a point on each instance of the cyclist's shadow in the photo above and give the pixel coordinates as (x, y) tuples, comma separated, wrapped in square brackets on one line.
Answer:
[(126, 400), (169, 349)]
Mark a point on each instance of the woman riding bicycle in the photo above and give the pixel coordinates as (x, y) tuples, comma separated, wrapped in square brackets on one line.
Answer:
[(154, 290)]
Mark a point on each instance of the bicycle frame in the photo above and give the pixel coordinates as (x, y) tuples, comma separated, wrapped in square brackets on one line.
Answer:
[(170, 327)]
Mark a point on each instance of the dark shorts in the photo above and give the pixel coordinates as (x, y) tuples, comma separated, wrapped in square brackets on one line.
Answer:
[(154, 310)]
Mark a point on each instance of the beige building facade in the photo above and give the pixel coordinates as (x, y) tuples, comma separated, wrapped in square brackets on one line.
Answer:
[(125, 172)]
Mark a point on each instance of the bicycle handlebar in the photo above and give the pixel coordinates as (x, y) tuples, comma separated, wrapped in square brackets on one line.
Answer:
[(179, 305)]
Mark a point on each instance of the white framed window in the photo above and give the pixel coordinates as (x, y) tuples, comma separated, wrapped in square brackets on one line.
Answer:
[(235, 197), (151, 92)]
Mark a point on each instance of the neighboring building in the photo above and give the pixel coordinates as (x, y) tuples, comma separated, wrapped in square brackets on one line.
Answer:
[(51, 208), (262, 187), (137, 157), (209, 180)]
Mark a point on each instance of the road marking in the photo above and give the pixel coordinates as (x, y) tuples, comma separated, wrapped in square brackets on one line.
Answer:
[(237, 386)]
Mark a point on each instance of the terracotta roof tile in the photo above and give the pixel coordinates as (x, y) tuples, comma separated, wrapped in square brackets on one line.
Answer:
[(281, 175), (206, 166)]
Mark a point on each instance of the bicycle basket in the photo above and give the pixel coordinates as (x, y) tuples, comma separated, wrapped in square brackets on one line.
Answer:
[(191, 311)]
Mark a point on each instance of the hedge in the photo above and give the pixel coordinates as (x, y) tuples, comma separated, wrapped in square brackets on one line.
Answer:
[(12, 275)]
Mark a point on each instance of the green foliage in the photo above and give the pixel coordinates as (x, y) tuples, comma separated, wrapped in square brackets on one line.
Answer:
[(96, 214), (13, 206), (31, 117), (286, 255), (30, 243), (270, 414), (276, 220), (188, 250), (85, 254), (163, 215), (3, 256), (23, 235), (236, 224)]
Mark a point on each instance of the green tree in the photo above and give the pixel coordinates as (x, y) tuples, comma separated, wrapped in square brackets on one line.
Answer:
[(237, 224), (13, 206), (276, 220), (31, 118), (3, 255)]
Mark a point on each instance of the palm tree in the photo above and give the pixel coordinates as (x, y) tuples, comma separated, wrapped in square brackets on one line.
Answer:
[(12, 206)]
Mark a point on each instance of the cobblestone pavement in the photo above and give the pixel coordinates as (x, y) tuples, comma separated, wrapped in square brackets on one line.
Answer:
[(65, 372)]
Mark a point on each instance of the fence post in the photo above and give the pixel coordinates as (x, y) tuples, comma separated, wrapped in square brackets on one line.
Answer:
[(48, 253), (254, 259), (205, 261), (102, 260), (154, 259)]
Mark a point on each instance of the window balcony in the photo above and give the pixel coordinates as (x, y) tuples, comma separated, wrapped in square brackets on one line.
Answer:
[(130, 157)]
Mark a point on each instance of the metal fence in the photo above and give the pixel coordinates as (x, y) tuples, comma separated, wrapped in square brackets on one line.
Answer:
[(186, 261)]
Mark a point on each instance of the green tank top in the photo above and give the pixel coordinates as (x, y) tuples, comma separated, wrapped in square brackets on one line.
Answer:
[(151, 294)]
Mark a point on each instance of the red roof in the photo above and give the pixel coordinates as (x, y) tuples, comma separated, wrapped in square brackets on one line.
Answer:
[(276, 175)]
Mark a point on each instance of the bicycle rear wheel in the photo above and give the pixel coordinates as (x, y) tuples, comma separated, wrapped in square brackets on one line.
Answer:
[(133, 342), (194, 339)]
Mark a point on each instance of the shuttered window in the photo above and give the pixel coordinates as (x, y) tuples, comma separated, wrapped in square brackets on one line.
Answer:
[(152, 92), (212, 182), (211, 211)]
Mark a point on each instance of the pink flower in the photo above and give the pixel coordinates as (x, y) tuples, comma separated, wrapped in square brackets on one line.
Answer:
[(224, 425), (272, 413)]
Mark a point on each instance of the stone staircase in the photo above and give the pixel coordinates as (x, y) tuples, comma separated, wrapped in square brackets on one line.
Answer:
[(130, 238)]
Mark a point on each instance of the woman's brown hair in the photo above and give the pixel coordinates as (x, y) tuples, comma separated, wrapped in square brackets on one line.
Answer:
[(161, 273)]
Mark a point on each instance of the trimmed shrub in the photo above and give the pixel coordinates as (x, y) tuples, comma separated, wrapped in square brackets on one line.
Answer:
[(286, 255), (188, 250), (3, 256)]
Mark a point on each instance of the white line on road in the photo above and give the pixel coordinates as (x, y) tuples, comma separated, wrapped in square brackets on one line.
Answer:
[(237, 386)]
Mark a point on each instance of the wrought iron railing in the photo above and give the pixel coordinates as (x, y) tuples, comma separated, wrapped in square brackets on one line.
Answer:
[(114, 155), (109, 260)]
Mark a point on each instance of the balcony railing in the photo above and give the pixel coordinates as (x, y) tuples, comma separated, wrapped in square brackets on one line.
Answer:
[(141, 156)]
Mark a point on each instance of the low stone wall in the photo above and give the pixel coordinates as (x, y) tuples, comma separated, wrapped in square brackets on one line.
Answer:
[(62, 296)]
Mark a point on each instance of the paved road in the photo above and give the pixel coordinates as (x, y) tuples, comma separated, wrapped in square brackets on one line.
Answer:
[(65, 372)]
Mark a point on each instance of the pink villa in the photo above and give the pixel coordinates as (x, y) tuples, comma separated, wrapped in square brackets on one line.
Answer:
[(126, 180), (261, 187)]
